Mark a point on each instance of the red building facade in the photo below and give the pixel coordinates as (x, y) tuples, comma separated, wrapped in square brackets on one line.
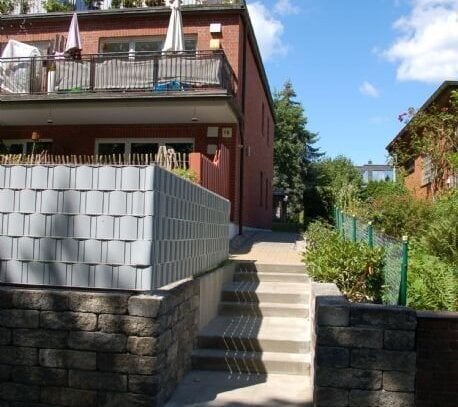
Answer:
[(235, 110)]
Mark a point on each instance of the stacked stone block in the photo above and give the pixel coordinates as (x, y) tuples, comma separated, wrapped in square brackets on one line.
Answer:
[(126, 227), (364, 354), (73, 348), (437, 359)]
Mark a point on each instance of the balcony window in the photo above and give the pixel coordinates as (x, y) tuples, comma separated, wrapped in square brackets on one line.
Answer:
[(27, 146), (134, 45)]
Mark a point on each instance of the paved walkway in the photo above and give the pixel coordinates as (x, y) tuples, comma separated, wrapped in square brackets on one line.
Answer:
[(223, 389), (268, 248)]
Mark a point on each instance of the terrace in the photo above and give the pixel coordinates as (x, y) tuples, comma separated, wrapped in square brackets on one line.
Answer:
[(19, 7), (201, 72)]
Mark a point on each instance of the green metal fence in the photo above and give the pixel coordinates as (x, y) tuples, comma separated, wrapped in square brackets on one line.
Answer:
[(396, 254)]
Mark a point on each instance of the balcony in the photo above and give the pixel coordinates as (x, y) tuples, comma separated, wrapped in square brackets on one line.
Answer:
[(148, 74), (18, 7)]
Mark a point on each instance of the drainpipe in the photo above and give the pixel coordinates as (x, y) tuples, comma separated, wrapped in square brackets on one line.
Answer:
[(242, 128)]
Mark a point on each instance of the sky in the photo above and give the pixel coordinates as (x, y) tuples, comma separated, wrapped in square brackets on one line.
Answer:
[(356, 65)]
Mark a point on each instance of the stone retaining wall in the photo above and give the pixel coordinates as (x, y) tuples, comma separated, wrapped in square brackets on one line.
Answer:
[(365, 354), (437, 359), (369, 355), (86, 348)]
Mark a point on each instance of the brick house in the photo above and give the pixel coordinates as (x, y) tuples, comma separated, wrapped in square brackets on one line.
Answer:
[(418, 169), (216, 93)]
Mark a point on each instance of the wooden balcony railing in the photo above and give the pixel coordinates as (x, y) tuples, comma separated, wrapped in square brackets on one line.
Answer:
[(119, 72)]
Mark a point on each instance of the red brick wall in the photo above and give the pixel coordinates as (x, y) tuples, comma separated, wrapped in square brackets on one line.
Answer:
[(437, 359), (413, 181), (94, 27), (258, 150)]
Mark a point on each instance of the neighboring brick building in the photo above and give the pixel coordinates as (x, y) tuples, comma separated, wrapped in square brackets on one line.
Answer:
[(418, 169), (215, 94)]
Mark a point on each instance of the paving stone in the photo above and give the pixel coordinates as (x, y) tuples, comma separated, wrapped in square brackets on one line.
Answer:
[(19, 392), (40, 300), (75, 321), (97, 341), (68, 359), (349, 378), (130, 325), (97, 380), (359, 398), (5, 336), (125, 363), (42, 376), (350, 337), (145, 346), (383, 316), (329, 397), (13, 318), (332, 357), (399, 340), (144, 384), (383, 359), (40, 338), (68, 397), (125, 399), (15, 355), (146, 305), (399, 381), (98, 302)]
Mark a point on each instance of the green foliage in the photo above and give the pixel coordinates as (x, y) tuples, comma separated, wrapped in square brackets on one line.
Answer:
[(6, 6), (441, 236), (339, 183), (293, 150), (432, 284), (52, 6), (354, 267), (393, 210), (190, 175)]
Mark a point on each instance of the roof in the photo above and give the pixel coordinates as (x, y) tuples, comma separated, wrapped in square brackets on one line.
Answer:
[(444, 87)]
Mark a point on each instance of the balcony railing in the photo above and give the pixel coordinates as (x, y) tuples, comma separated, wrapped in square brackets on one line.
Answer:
[(15, 7), (201, 71)]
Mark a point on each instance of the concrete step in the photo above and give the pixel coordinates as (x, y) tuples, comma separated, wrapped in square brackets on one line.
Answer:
[(263, 309), (277, 277), (287, 335), (252, 362), (250, 266), (273, 292)]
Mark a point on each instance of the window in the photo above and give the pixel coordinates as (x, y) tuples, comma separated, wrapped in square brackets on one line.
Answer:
[(133, 45), (142, 146), (25, 146), (427, 171), (41, 45), (409, 166)]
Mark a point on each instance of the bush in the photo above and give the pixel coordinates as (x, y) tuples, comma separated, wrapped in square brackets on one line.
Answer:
[(432, 284), (190, 175), (354, 267)]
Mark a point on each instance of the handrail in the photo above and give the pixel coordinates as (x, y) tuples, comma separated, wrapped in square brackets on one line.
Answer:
[(154, 71)]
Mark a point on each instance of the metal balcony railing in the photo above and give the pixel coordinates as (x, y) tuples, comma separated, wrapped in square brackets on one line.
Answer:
[(16, 7), (198, 71)]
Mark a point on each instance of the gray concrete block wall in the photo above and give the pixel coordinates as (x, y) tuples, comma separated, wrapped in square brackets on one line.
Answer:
[(135, 228), (364, 353), (93, 348)]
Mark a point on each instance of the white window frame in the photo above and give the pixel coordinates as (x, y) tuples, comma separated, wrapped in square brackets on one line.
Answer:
[(24, 141), (426, 170), (129, 141), (132, 40)]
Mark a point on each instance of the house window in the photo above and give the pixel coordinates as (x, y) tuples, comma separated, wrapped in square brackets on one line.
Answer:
[(409, 166), (427, 171), (142, 146), (25, 146), (135, 45)]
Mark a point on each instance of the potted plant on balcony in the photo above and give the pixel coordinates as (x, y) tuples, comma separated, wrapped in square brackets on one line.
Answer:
[(52, 6), (6, 6)]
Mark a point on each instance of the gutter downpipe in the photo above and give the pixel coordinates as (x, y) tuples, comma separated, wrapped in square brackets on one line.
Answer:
[(242, 129)]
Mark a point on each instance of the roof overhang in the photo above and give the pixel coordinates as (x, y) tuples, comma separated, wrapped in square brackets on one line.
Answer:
[(118, 110)]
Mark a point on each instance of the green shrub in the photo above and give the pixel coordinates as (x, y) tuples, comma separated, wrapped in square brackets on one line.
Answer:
[(432, 284), (354, 267), (441, 236), (52, 6), (190, 175)]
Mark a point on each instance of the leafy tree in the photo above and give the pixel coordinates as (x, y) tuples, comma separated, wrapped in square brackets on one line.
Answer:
[(294, 150), (340, 183)]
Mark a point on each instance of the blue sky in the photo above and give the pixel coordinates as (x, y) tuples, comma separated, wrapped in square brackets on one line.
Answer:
[(357, 64)]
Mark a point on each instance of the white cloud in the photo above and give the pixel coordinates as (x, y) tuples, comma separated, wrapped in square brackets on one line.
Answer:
[(427, 47), (285, 8), (367, 89), (269, 30)]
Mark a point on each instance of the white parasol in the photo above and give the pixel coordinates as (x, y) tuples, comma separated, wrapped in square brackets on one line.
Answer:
[(73, 39), (174, 41)]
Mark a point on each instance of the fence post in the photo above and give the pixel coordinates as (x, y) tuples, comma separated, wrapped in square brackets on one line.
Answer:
[(370, 235), (336, 220), (353, 234), (342, 224), (403, 287)]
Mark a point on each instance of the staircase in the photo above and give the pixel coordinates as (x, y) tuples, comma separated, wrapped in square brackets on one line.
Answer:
[(263, 325)]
